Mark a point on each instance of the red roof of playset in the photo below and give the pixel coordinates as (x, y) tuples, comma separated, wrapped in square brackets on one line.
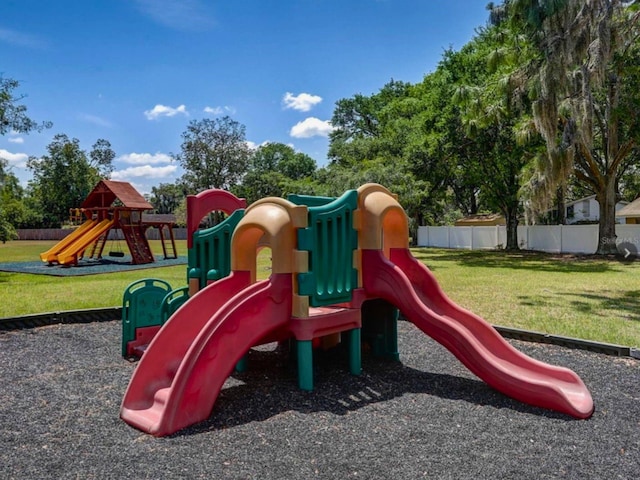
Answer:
[(108, 191)]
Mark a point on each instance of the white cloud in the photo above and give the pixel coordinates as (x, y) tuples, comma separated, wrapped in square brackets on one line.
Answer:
[(302, 102), (165, 111), (187, 15), (219, 110), (144, 171), (16, 139), (145, 158), (311, 127), (15, 159), (213, 110), (254, 145)]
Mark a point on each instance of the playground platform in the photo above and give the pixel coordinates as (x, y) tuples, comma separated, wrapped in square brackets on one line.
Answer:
[(426, 417)]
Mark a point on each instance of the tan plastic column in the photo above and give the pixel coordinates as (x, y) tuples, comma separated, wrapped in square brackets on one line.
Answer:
[(382, 221)]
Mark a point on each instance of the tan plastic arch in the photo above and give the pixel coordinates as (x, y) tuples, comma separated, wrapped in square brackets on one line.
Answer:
[(382, 220), (271, 222)]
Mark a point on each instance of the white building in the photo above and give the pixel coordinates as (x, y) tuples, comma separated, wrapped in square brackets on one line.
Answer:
[(587, 210)]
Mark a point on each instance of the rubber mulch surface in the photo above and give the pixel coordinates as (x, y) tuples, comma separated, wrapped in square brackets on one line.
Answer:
[(427, 417), (89, 266)]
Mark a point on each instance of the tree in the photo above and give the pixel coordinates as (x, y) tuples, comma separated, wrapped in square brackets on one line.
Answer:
[(274, 170), (13, 115), (214, 154), (167, 197), (385, 133), (584, 81), (495, 110), (359, 124), (63, 178)]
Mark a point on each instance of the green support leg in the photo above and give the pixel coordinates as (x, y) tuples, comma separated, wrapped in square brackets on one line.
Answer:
[(391, 335), (305, 364), (355, 352), (241, 366)]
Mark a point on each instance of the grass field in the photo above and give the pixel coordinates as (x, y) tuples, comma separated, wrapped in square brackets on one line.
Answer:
[(587, 298)]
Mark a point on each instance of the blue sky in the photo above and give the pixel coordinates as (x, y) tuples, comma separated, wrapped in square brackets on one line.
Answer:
[(135, 72)]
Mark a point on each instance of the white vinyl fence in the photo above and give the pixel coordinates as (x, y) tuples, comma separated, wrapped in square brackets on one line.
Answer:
[(545, 238)]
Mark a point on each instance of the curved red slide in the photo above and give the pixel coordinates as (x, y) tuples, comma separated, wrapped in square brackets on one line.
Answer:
[(410, 286), (180, 375)]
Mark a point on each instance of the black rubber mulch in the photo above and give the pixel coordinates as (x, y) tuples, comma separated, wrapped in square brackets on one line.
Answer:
[(61, 388)]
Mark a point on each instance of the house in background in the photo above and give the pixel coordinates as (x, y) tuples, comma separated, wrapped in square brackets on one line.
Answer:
[(587, 210), (630, 214)]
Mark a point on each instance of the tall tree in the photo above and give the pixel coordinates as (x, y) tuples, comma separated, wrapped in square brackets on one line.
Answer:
[(384, 132), (584, 81), (214, 154), (494, 112), (63, 178)]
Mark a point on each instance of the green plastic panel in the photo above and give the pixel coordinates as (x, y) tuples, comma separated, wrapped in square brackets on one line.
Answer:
[(210, 256), (330, 240), (141, 307), (172, 301), (308, 200)]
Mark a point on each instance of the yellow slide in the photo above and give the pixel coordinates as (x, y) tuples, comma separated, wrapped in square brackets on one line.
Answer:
[(51, 255), (70, 254)]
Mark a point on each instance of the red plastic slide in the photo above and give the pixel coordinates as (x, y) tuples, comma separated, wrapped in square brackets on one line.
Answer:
[(408, 284), (180, 375)]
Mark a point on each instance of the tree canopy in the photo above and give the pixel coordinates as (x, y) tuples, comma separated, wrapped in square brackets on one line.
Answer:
[(214, 154)]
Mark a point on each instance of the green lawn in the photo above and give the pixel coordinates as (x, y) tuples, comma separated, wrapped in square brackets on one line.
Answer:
[(586, 298)]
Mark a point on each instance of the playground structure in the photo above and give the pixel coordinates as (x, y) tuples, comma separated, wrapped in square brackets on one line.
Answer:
[(332, 259), (112, 205)]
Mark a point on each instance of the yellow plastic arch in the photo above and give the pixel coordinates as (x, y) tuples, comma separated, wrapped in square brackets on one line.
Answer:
[(271, 222), (383, 221)]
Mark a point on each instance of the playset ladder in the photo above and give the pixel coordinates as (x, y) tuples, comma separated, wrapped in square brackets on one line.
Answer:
[(168, 243), (98, 246)]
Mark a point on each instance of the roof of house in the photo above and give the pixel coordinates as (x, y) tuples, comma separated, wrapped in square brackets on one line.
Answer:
[(579, 200), (590, 197), (486, 219), (631, 210), (106, 192)]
